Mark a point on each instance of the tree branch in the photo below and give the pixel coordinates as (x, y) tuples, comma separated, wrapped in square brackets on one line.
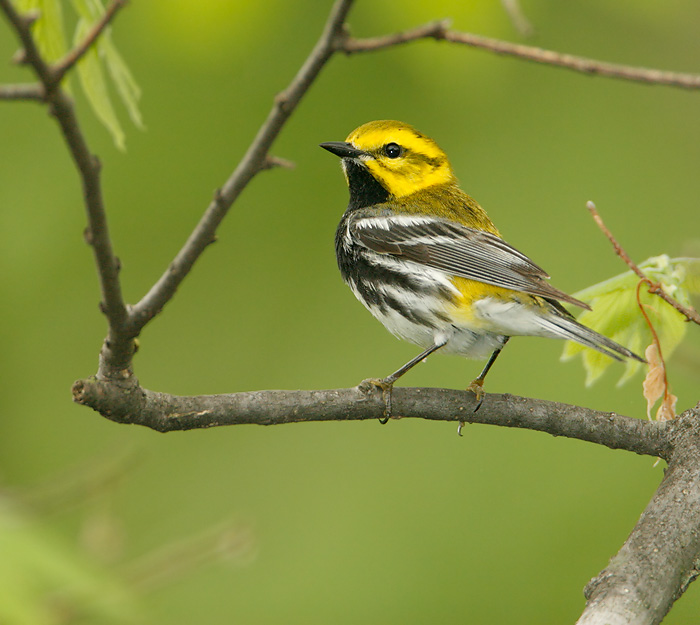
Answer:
[(254, 161), (29, 91), (62, 66), (518, 18), (661, 557), (654, 287), (118, 347), (432, 30), (439, 30), (129, 403), (655, 565), (30, 54)]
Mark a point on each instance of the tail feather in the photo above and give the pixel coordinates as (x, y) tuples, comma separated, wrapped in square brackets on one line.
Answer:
[(569, 328)]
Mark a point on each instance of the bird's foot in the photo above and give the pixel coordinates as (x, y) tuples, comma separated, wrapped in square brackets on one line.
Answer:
[(476, 387), (387, 386)]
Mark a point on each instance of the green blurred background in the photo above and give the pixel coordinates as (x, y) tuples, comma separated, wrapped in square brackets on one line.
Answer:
[(335, 522)]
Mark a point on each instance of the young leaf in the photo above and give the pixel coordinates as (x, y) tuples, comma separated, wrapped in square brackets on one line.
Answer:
[(86, 10), (95, 87), (654, 383), (127, 89), (655, 386), (615, 312), (48, 29), (691, 275), (104, 54)]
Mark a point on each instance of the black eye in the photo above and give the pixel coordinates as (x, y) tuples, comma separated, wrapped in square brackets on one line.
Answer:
[(392, 150)]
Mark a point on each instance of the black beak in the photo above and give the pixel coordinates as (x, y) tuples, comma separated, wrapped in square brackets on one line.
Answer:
[(342, 149)]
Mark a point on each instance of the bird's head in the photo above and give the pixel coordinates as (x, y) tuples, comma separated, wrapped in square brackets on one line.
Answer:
[(398, 157)]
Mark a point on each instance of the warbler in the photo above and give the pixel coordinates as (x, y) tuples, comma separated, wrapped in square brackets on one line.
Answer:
[(426, 260)]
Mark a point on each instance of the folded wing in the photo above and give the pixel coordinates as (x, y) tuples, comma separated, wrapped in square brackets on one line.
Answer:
[(457, 250)]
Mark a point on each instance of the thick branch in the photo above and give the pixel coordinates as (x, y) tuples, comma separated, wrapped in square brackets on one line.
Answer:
[(129, 403), (254, 161), (440, 30), (662, 554)]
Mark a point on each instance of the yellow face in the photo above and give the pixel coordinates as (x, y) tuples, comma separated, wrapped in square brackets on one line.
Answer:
[(402, 159)]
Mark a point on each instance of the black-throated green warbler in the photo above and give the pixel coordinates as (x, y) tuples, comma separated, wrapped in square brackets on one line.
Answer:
[(427, 261)]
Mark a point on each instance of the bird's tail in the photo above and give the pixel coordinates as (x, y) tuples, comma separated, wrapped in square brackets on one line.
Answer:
[(567, 327)]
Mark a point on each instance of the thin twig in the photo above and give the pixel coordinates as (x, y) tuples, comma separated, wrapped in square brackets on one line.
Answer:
[(431, 30), (228, 542), (253, 162), (517, 17), (118, 347), (577, 63), (654, 287), (439, 30), (30, 54), (63, 65), (29, 91), (668, 399), (652, 329), (271, 162)]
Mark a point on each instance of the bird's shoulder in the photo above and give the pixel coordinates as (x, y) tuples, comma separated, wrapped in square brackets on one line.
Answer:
[(459, 249), (448, 202)]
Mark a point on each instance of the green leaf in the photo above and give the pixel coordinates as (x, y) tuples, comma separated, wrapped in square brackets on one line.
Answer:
[(85, 10), (93, 79), (48, 29), (615, 313), (127, 88), (94, 85), (691, 277)]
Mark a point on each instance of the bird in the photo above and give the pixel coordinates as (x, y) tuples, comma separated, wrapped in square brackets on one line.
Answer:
[(426, 260)]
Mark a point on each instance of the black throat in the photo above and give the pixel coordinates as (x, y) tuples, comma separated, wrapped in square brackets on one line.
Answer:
[(365, 190)]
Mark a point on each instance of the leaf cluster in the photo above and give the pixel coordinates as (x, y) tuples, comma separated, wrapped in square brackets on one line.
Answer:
[(99, 67), (616, 312)]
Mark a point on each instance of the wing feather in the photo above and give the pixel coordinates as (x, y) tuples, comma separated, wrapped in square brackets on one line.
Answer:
[(457, 250)]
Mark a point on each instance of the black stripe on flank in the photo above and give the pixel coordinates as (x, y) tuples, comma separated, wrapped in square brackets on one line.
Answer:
[(408, 313), (357, 267), (382, 302), (441, 316), (370, 296)]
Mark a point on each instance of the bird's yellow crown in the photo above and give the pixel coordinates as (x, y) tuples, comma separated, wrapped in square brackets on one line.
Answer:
[(402, 159)]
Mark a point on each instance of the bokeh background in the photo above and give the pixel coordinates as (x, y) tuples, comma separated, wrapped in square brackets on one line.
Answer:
[(336, 522)]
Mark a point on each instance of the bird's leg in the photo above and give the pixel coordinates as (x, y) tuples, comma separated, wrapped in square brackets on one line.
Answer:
[(477, 384), (387, 383)]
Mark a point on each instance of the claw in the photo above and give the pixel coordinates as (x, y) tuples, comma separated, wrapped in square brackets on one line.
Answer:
[(477, 387), (387, 388)]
